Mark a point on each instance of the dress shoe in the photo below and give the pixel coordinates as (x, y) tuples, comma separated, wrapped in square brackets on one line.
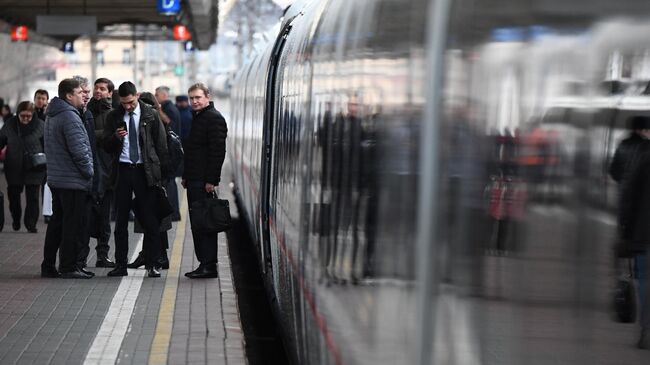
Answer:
[(83, 270), (16, 226), (103, 261), (32, 230), (119, 270), (76, 274), (203, 272), (139, 261), (153, 273), (163, 261), (49, 272)]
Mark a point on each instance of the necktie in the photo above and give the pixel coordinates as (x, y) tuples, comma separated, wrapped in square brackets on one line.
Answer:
[(133, 140)]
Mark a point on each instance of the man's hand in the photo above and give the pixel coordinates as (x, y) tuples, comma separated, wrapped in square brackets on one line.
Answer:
[(209, 187), (120, 133)]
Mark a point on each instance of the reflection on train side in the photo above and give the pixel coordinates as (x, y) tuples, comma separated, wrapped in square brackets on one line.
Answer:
[(326, 144)]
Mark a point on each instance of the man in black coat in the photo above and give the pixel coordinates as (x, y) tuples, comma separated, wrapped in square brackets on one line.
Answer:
[(99, 216), (41, 98), (634, 214), (135, 137), (631, 169), (631, 148), (205, 151)]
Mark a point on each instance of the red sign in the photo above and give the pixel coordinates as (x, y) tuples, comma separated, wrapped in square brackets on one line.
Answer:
[(19, 33), (181, 33)]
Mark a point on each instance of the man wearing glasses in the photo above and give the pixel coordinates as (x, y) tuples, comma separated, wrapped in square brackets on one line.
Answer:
[(136, 138), (69, 175)]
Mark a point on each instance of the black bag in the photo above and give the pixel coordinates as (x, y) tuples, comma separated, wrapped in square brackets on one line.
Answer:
[(625, 299), (163, 206), (176, 153), (210, 215), (38, 160)]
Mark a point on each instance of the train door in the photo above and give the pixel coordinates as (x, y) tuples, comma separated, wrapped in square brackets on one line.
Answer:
[(267, 133)]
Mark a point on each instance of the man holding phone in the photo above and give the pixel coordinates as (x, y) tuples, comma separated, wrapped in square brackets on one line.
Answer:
[(136, 138)]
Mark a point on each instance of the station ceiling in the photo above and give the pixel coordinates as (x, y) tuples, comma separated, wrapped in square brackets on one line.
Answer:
[(200, 16)]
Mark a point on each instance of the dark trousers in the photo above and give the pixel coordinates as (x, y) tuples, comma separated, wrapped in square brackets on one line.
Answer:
[(205, 244), (66, 228), (132, 179), (172, 194), (31, 203), (99, 226)]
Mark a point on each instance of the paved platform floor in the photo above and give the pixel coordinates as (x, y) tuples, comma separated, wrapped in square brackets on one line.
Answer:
[(130, 320)]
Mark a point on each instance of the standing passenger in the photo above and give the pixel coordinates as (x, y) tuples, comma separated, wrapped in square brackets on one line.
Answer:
[(23, 136), (183, 105), (170, 110), (69, 175), (205, 151), (136, 169), (41, 97), (100, 226)]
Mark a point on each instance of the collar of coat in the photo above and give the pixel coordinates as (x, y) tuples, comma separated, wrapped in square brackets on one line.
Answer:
[(210, 106)]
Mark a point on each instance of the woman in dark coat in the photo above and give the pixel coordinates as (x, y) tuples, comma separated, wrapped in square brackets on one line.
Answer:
[(23, 136)]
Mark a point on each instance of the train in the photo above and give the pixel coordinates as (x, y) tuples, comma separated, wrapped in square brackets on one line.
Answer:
[(426, 181)]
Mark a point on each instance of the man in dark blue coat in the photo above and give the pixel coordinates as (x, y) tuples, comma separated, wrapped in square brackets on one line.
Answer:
[(183, 105), (69, 176), (171, 112)]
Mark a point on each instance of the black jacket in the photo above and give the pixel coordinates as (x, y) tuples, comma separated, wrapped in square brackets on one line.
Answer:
[(205, 148), (104, 168), (21, 142), (634, 207), (152, 139), (626, 155)]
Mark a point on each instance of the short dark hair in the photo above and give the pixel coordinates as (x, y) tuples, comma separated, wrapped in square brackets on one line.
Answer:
[(25, 105), (109, 83), (127, 88), (639, 122), (67, 86), (148, 98), (42, 92)]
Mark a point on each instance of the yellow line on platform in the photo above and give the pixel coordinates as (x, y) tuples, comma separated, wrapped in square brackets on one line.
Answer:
[(160, 345)]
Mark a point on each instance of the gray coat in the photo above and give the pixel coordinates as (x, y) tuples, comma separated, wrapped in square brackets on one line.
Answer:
[(69, 157)]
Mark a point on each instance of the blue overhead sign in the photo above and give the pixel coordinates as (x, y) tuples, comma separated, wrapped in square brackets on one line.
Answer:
[(169, 7), (68, 47)]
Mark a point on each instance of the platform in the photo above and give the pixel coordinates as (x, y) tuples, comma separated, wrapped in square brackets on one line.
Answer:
[(104, 320)]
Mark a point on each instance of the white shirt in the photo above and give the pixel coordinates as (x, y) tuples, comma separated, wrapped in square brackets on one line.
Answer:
[(124, 156)]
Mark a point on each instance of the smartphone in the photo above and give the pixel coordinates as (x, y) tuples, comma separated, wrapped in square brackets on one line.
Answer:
[(121, 124)]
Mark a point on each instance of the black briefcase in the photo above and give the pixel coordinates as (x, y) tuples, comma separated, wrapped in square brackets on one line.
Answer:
[(210, 215)]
